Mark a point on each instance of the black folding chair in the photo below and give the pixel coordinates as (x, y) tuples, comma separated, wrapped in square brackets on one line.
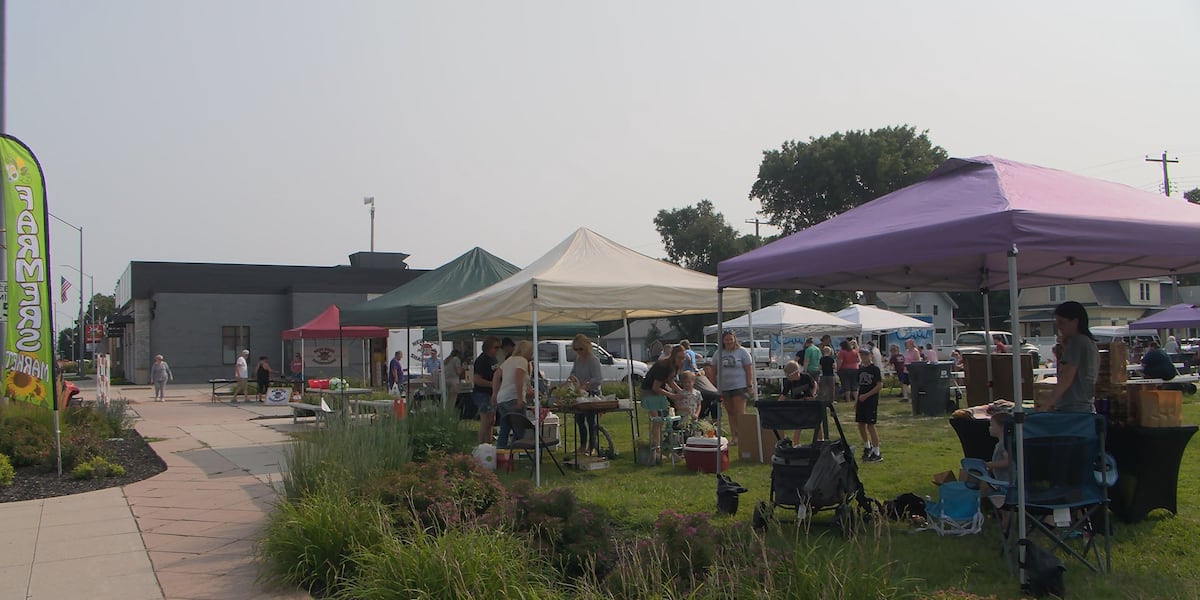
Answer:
[(520, 423)]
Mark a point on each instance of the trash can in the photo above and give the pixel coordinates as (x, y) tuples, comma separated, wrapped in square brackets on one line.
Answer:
[(930, 387), (727, 495)]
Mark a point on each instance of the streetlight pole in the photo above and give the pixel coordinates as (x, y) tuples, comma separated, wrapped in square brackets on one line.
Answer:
[(79, 330), (91, 292), (370, 201)]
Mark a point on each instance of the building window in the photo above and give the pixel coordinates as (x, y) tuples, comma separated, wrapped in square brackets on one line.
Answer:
[(935, 307), (1144, 292), (1058, 293), (234, 338), (918, 309)]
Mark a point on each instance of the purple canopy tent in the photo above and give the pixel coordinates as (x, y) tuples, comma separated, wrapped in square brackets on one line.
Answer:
[(982, 223), (1180, 316)]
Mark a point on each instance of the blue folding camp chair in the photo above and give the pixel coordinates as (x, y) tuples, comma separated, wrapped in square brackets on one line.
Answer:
[(956, 511), (1066, 476)]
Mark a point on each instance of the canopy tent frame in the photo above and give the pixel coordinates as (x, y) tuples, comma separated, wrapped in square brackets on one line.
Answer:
[(985, 212), (586, 277)]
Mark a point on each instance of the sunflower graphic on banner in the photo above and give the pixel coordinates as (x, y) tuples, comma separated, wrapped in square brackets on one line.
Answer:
[(28, 339)]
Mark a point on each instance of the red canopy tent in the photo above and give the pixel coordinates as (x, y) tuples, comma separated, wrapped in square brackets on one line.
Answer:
[(327, 326)]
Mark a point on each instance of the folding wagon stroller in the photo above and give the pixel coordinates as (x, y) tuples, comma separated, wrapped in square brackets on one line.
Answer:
[(820, 475)]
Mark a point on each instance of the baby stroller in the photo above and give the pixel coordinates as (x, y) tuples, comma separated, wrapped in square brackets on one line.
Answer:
[(820, 475)]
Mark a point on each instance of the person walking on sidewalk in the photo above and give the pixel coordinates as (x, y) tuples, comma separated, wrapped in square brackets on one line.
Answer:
[(241, 371), (262, 377), (160, 374)]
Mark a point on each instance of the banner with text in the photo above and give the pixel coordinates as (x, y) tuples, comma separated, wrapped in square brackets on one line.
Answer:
[(29, 332)]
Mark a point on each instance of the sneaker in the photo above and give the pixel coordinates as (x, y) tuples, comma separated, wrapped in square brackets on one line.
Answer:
[(234, 401), (874, 458), (866, 455)]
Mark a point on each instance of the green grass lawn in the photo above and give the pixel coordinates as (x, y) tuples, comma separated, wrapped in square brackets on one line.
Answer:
[(1152, 559)]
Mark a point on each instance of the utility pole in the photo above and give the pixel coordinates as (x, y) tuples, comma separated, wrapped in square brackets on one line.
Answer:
[(757, 240), (756, 224), (1164, 160)]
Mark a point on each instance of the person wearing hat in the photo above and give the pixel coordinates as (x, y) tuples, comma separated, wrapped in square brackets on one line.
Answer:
[(241, 371)]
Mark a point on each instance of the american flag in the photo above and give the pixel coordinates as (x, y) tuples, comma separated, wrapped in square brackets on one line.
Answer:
[(66, 285)]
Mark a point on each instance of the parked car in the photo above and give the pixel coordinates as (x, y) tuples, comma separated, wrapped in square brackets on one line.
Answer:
[(703, 351), (972, 342), (761, 352), (556, 358)]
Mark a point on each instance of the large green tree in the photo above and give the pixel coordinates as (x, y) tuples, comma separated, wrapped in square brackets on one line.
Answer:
[(1192, 195), (697, 237), (804, 183)]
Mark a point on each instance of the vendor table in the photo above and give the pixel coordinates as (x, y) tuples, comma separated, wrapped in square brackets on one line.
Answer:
[(1148, 460), (221, 383), (569, 424)]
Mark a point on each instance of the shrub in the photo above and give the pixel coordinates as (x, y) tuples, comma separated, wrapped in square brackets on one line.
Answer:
[(115, 415), (6, 472), (308, 543), (446, 491), (96, 467), (459, 563), (575, 536), (346, 453), (436, 431), (25, 439), (80, 444), (690, 542)]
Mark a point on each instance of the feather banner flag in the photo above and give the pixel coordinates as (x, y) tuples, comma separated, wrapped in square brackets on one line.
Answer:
[(29, 333)]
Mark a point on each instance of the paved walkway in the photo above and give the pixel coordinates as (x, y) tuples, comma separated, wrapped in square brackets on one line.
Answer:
[(185, 534)]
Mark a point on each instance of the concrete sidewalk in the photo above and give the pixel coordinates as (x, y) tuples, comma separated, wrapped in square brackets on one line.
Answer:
[(185, 534)]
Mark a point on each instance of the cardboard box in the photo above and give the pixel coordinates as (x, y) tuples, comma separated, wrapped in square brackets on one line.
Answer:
[(755, 444), (1160, 408), (944, 477)]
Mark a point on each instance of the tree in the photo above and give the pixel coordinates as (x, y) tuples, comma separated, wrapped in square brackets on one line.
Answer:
[(697, 237), (1192, 195), (66, 343), (105, 307), (805, 183)]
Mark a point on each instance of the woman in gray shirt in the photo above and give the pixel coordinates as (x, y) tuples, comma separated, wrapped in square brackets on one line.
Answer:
[(160, 374), (587, 376), (1080, 361)]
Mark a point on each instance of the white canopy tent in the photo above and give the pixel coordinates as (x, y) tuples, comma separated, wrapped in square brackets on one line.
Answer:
[(873, 319), (588, 277), (790, 319)]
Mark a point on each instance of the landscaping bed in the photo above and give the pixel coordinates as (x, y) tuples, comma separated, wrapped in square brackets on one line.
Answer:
[(130, 451)]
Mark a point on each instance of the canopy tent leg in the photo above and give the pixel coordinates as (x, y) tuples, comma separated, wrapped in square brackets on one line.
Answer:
[(537, 403), (753, 383), (637, 429), (987, 342), (408, 371), (717, 356), (442, 379), (1018, 413)]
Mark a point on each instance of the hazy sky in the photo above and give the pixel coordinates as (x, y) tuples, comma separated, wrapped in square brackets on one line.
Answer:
[(249, 131)]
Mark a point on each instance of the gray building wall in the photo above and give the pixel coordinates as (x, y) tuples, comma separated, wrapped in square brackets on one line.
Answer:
[(186, 329)]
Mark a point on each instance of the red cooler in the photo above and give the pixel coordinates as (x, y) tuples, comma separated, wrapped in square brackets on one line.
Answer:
[(701, 453)]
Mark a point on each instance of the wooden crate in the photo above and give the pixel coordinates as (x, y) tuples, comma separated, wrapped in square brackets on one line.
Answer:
[(975, 371)]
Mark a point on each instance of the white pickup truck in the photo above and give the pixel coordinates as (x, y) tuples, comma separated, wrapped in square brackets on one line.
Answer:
[(761, 352), (556, 358)]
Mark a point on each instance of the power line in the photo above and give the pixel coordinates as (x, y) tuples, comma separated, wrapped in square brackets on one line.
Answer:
[(1166, 185)]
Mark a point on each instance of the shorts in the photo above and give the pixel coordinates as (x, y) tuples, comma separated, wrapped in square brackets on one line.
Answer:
[(849, 379), (727, 394), (903, 377), (483, 402), (240, 386), (867, 411)]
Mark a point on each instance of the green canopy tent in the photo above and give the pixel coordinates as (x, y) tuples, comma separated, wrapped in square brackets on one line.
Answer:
[(415, 303)]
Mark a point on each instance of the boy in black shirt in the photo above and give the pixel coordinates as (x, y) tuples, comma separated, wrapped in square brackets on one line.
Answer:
[(866, 410)]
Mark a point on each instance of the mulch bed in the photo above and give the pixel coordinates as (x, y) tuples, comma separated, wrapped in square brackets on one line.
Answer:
[(131, 452)]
